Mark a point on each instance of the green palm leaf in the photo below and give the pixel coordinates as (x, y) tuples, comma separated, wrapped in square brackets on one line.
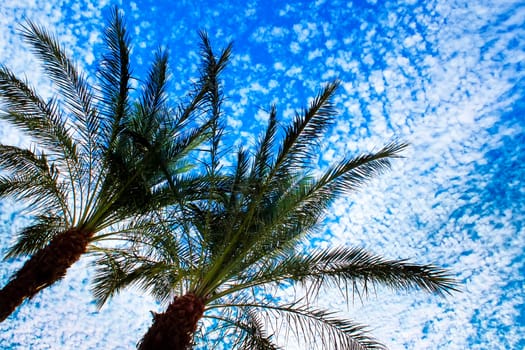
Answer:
[(33, 180), (42, 120), (245, 326), (36, 236), (313, 327), (343, 266), (263, 154), (120, 269), (73, 86), (114, 74), (303, 134)]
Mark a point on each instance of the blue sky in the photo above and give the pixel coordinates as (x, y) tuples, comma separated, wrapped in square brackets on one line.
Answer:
[(447, 76)]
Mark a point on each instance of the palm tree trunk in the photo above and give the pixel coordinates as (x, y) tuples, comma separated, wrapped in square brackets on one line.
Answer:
[(174, 329), (44, 268)]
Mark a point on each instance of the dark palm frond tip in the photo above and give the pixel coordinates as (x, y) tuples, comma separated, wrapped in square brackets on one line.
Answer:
[(211, 65), (341, 333), (400, 274), (263, 154), (434, 279), (351, 173), (211, 68), (114, 75), (154, 92), (303, 135)]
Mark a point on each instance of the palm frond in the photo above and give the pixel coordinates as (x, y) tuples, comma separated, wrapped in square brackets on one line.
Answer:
[(243, 326), (186, 188), (277, 217), (212, 65), (18, 160), (209, 80), (115, 75), (182, 144), (153, 259), (32, 179), (356, 268), (154, 91), (282, 188), (297, 209), (315, 328), (304, 133), (41, 120), (73, 85), (263, 153), (350, 174), (153, 144), (256, 334), (238, 189), (36, 236), (118, 269), (276, 222)]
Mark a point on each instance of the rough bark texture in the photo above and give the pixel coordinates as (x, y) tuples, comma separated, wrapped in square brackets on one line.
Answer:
[(174, 329), (44, 268)]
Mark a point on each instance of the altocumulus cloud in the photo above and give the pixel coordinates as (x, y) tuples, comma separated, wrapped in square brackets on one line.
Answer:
[(445, 75)]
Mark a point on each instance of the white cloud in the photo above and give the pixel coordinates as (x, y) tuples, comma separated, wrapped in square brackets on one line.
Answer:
[(330, 44), (314, 54), (439, 75), (294, 71), (295, 47), (278, 66)]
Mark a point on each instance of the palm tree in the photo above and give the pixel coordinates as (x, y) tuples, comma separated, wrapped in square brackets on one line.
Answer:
[(100, 160), (219, 257)]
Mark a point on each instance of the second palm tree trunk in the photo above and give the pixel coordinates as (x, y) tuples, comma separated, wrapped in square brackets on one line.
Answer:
[(44, 268), (174, 329)]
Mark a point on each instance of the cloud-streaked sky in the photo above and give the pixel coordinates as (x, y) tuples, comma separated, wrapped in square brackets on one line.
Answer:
[(447, 76)]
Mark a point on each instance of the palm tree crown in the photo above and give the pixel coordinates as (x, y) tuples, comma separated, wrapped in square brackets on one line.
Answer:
[(100, 157), (220, 255)]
